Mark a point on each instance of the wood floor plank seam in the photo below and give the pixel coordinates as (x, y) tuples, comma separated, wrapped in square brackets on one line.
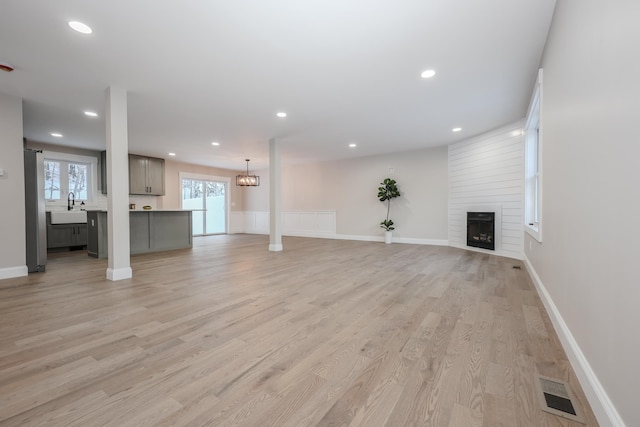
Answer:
[(326, 332)]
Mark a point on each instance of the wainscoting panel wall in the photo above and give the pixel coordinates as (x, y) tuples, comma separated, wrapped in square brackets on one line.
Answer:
[(487, 174), (307, 223), (236, 222)]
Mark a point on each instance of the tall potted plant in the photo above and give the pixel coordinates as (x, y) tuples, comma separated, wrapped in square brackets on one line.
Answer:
[(388, 190)]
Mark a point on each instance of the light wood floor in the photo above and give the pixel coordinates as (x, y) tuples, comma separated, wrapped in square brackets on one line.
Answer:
[(326, 333)]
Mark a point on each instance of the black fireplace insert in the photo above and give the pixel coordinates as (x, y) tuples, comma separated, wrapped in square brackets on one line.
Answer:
[(481, 230)]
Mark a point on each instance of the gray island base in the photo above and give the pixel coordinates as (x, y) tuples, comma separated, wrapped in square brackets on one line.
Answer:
[(149, 231)]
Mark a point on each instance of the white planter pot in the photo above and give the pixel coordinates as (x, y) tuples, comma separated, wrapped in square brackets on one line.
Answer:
[(387, 237)]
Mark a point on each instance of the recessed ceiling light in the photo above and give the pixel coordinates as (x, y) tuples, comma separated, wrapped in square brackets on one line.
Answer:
[(172, 154), (215, 143), (80, 27), (353, 145), (281, 114), (456, 129), (426, 74), (56, 134), (91, 113)]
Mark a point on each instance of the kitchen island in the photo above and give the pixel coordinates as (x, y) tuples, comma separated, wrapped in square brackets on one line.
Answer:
[(149, 231)]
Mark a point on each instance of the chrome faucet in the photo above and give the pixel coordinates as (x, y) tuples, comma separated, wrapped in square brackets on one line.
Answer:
[(71, 201)]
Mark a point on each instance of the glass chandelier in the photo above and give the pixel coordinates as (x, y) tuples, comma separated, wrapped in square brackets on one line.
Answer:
[(247, 180)]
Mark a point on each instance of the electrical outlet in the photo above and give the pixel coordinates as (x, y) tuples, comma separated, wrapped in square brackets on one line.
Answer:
[(391, 170)]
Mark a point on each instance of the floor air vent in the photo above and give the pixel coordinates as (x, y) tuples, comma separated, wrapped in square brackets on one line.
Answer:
[(557, 399)]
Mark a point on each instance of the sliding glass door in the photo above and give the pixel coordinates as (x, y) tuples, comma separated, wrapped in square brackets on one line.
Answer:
[(208, 201)]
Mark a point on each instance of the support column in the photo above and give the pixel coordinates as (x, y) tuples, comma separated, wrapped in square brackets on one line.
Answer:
[(275, 210), (118, 184)]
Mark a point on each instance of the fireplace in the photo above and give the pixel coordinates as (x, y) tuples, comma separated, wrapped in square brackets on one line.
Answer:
[(481, 230)]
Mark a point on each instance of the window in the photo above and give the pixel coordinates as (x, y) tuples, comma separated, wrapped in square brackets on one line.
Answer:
[(533, 170), (66, 173)]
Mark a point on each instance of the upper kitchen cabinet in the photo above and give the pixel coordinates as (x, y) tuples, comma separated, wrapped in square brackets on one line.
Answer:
[(146, 175)]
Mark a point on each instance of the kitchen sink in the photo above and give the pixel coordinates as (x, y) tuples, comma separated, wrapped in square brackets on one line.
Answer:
[(68, 217)]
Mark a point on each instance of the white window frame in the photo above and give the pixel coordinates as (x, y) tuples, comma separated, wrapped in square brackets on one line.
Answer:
[(533, 164), (92, 184)]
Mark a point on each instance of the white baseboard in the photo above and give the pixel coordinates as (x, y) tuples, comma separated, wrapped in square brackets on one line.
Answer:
[(346, 237), (10, 272), (598, 398), (314, 224), (407, 240), (502, 253), (119, 273), (413, 241)]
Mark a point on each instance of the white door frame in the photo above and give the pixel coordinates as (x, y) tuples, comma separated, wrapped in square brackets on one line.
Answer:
[(201, 177)]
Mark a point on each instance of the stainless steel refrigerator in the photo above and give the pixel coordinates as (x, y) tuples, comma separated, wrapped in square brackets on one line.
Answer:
[(36, 222)]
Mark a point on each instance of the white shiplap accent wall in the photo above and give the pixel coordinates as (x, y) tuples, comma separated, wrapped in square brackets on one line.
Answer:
[(488, 172)]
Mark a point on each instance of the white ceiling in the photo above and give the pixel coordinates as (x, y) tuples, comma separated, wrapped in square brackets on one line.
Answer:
[(202, 71)]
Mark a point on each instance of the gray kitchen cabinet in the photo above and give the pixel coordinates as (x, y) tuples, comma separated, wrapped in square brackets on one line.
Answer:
[(81, 234), (149, 231), (170, 230), (59, 235), (65, 235), (139, 232), (146, 175), (96, 233), (138, 175), (155, 175)]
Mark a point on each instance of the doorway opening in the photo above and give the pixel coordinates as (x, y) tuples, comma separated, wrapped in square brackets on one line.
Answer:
[(208, 201)]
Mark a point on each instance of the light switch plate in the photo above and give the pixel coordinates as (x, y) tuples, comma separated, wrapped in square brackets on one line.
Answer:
[(1, 172)]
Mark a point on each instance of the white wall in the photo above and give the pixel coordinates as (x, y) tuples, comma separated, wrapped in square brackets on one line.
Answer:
[(173, 185), (486, 173), (320, 224), (349, 188), (587, 263), (12, 215)]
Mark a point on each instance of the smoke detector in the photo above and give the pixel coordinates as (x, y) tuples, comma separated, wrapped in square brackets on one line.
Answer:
[(6, 67)]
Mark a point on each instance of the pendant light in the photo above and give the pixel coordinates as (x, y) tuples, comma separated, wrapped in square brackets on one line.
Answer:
[(247, 180)]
